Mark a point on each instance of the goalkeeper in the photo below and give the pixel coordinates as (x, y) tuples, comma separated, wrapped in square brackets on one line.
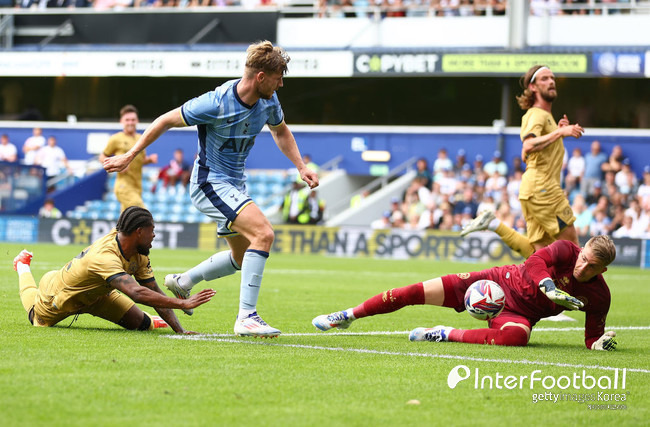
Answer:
[(555, 278)]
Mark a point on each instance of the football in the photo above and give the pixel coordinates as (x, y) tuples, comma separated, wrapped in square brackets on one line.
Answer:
[(484, 299)]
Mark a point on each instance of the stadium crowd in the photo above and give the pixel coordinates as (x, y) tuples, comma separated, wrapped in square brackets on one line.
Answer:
[(352, 8), (606, 195)]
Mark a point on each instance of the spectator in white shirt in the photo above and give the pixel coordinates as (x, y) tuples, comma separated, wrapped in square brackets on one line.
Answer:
[(496, 165), (494, 184), (8, 151), (32, 145), (627, 229), (52, 158), (643, 192), (446, 183), (625, 179), (575, 170), (442, 162), (600, 223), (383, 222), (513, 193)]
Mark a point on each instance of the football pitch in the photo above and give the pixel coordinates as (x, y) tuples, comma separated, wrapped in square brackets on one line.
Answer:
[(91, 372)]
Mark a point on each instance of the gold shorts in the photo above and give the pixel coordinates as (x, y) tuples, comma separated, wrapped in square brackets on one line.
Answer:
[(129, 197), (546, 216), (111, 307)]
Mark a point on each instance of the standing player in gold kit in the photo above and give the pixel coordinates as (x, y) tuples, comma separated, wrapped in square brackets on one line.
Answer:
[(547, 211), (128, 184)]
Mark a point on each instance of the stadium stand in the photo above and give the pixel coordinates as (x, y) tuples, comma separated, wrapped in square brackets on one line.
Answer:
[(173, 204)]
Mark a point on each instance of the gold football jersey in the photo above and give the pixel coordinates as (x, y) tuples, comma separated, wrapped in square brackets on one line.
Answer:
[(84, 280), (131, 177), (543, 168)]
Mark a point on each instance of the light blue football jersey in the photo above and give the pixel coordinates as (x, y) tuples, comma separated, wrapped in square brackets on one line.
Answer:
[(227, 128)]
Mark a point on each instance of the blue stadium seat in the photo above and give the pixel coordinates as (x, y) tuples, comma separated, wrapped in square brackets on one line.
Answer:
[(159, 209), (175, 217), (112, 206), (161, 196), (112, 215), (276, 188), (276, 178), (75, 214), (147, 185), (193, 217)]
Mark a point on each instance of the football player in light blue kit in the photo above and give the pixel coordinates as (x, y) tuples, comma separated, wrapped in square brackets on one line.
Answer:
[(228, 119)]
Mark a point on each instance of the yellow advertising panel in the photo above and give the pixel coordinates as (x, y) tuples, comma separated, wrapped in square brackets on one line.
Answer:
[(512, 63)]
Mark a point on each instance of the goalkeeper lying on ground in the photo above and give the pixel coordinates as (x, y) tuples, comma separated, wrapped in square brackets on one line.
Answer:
[(559, 277)]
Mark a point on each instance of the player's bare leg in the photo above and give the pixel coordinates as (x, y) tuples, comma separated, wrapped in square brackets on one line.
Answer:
[(136, 319), (569, 233)]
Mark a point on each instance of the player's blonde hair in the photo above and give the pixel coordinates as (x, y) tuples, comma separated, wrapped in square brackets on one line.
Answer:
[(603, 248), (263, 56), (527, 98)]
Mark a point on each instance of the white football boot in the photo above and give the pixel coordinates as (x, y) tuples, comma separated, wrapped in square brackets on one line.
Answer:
[(436, 334), (254, 326), (171, 282), (479, 223), (338, 319)]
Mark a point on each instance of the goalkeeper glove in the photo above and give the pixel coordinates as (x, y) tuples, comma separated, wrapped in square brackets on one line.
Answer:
[(607, 342), (558, 296)]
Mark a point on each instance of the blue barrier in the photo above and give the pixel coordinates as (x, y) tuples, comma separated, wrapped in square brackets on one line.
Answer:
[(324, 143)]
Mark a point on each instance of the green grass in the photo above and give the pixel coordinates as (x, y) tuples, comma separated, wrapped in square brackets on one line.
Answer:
[(94, 373)]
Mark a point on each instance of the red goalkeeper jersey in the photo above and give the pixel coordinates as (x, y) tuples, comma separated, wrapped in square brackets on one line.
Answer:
[(520, 283)]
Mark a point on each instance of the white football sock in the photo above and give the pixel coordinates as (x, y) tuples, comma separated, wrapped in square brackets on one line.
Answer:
[(251, 280), (492, 226), (22, 268), (218, 265)]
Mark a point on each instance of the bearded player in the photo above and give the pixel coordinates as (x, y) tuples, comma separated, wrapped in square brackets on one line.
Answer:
[(90, 282), (542, 286), (547, 211)]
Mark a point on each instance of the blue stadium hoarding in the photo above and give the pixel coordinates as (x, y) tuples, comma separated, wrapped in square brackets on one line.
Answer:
[(22, 229), (619, 64)]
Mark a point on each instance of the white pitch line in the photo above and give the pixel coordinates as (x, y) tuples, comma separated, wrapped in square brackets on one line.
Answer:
[(370, 333), (618, 328), (396, 353)]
